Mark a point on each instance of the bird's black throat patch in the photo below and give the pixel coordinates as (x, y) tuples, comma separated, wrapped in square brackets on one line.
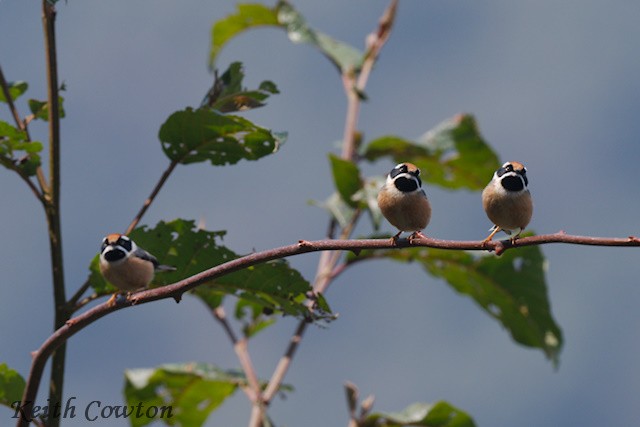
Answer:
[(406, 185), (512, 183), (114, 255)]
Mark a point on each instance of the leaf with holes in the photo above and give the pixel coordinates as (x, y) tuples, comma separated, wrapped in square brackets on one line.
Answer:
[(453, 155), (439, 414), (192, 136), (274, 286), (510, 288)]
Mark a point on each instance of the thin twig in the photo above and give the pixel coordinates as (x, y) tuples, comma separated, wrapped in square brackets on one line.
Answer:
[(240, 347), (152, 196), (283, 365), (73, 305), (177, 289)]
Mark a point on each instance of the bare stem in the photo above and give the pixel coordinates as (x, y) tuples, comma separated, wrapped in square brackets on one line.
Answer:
[(240, 347), (152, 196), (52, 208)]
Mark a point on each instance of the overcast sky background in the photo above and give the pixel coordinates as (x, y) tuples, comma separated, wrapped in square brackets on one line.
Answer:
[(552, 84)]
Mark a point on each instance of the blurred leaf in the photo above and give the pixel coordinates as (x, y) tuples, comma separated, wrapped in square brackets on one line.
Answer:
[(337, 208), (453, 155), (11, 385), (510, 288), (97, 281), (249, 15), (192, 136), (17, 152), (228, 95), (346, 177), (342, 55), (283, 15), (190, 391), (40, 109), (440, 414), (16, 89), (367, 196), (274, 287)]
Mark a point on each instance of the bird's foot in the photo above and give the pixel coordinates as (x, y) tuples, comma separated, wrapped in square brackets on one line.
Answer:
[(394, 239), (416, 235)]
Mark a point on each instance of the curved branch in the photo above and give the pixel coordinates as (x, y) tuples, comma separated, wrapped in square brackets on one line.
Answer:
[(176, 290)]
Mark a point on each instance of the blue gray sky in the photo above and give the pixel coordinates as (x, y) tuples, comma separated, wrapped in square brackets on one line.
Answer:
[(554, 85)]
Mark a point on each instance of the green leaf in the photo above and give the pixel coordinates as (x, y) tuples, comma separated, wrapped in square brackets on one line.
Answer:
[(17, 152), (252, 15), (192, 136), (274, 287), (228, 95), (185, 393), (367, 196), (40, 109), (440, 414), (510, 288), (345, 57), (453, 155), (254, 317), (97, 281), (11, 385), (249, 15), (16, 89), (346, 177)]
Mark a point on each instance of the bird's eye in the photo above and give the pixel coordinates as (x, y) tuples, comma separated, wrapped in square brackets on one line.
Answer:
[(125, 242)]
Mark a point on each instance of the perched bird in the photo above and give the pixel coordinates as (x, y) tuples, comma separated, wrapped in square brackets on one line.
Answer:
[(507, 201), (403, 201), (125, 265)]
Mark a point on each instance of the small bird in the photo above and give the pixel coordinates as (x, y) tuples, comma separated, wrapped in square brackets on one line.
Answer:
[(127, 266), (507, 201), (403, 201)]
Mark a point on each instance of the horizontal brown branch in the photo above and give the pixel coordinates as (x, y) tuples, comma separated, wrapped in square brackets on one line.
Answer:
[(176, 290)]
